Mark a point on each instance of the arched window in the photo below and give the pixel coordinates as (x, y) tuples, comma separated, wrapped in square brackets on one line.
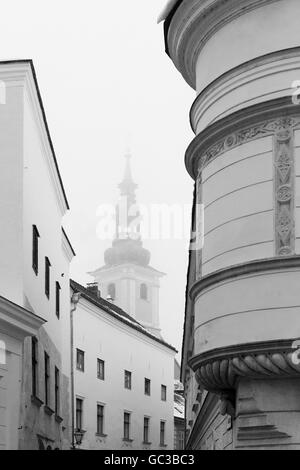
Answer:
[(111, 291), (143, 291)]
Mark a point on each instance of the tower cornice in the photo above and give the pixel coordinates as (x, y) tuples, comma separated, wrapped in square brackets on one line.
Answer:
[(194, 22), (247, 124)]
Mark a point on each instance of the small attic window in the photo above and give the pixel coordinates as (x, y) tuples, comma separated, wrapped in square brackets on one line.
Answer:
[(111, 291), (144, 291)]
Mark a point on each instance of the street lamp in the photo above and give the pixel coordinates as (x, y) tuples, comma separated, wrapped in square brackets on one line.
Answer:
[(78, 434)]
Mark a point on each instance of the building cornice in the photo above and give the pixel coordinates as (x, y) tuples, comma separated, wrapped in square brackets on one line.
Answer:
[(244, 269), (67, 247), (262, 66), (16, 320), (219, 370), (253, 122), (22, 72), (193, 22)]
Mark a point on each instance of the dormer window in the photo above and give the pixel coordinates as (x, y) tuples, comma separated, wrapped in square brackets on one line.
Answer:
[(111, 291), (144, 291)]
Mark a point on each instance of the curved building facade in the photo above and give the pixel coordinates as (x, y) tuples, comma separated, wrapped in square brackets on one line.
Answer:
[(240, 363)]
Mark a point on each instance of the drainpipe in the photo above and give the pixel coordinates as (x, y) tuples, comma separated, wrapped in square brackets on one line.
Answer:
[(74, 301)]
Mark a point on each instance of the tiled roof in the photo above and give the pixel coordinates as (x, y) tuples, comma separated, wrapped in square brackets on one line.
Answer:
[(116, 312)]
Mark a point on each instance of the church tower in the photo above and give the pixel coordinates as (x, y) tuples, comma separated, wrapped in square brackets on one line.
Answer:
[(127, 277)]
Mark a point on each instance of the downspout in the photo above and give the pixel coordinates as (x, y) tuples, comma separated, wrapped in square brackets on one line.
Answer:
[(74, 301)]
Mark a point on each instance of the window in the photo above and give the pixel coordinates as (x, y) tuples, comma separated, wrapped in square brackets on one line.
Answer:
[(127, 379), (143, 291), (164, 393), (147, 386), (100, 369), (162, 433), (79, 413), (111, 291), (57, 391), (80, 360), (34, 364), (57, 299), (100, 419), (146, 429), (126, 426), (35, 249), (47, 379), (47, 277)]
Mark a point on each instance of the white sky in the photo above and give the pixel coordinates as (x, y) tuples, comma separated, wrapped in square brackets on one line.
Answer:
[(107, 84)]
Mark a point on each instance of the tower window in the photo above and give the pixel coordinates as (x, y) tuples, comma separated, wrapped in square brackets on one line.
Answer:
[(144, 291), (111, 291)]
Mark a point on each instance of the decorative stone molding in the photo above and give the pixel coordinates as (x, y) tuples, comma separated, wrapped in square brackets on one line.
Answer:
[(219, 370), (239, 270), (267, 64), (284, 194), (254, 122), (194, 22)]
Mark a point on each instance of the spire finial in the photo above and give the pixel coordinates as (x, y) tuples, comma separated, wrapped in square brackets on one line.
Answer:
[(127, 185)]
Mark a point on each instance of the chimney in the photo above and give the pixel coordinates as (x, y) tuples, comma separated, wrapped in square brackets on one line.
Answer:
[(93, 289)]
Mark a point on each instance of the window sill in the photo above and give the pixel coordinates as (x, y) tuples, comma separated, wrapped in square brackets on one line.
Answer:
[(127, 440), (163, 445), (58, 418), (100, 434), (48, 410), (80, 370), (36, 401), (147, 443)]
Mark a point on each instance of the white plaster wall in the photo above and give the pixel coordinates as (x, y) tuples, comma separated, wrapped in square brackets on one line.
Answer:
[(121, 347), (40, 208), (240, 40), (11, 177), (238, 206), (229, 313)]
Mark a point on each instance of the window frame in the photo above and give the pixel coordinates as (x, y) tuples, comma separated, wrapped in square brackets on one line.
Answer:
[(80, 352), (57, 391), (34, 366), (144, 291), (35, 249), (163, 392), (47, 378), (57, 299), (162, 433), (47, 277), (146, 383), (100, 419), (127, 375), (79, 410), (146, 430), (100, 362), (126, 426), (111, 290)]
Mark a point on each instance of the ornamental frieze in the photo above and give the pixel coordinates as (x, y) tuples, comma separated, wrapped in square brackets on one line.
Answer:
[(243, 136)]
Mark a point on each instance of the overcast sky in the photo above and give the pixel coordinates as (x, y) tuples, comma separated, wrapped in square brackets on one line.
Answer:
[(107, 85)]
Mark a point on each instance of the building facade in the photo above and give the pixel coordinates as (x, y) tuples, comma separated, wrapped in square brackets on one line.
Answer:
[(34, 270), (124, 379), (239, 366)]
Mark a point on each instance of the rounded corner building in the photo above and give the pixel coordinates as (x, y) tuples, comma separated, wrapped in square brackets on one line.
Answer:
[(240, 359)]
